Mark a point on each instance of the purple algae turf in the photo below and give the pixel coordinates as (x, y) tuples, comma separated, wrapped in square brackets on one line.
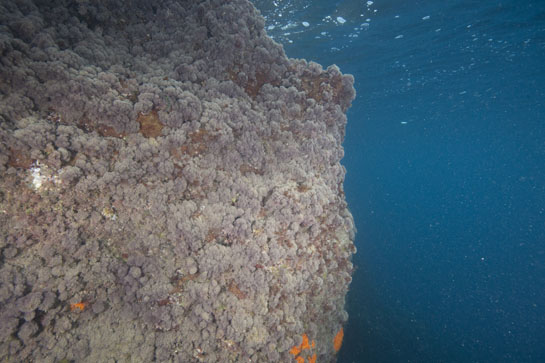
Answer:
[(170, 186)]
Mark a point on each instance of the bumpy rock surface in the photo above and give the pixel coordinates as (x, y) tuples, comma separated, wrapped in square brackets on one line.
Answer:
[(170, 186)]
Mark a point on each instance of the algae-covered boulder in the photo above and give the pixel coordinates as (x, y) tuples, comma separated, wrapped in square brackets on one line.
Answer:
[(170, 186)]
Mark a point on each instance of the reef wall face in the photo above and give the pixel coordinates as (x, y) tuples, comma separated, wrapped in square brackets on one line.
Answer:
[(170, 186)]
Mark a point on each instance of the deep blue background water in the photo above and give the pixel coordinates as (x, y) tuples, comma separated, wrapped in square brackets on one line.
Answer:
[(445, 152)]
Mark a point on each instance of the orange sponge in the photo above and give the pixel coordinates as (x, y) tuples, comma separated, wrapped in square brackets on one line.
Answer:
[(304, 344), (79, 306), (338, 340), (297, 349)]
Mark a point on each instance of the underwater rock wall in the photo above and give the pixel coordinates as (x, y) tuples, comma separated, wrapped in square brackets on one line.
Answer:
[(170, 187)]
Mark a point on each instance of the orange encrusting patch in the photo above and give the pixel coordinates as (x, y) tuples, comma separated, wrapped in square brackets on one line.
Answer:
[(304, 344), (338, 340), (297, 349), (80, 306)]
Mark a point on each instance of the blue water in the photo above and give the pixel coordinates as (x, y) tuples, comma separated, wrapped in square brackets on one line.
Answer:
[(445, 153)]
